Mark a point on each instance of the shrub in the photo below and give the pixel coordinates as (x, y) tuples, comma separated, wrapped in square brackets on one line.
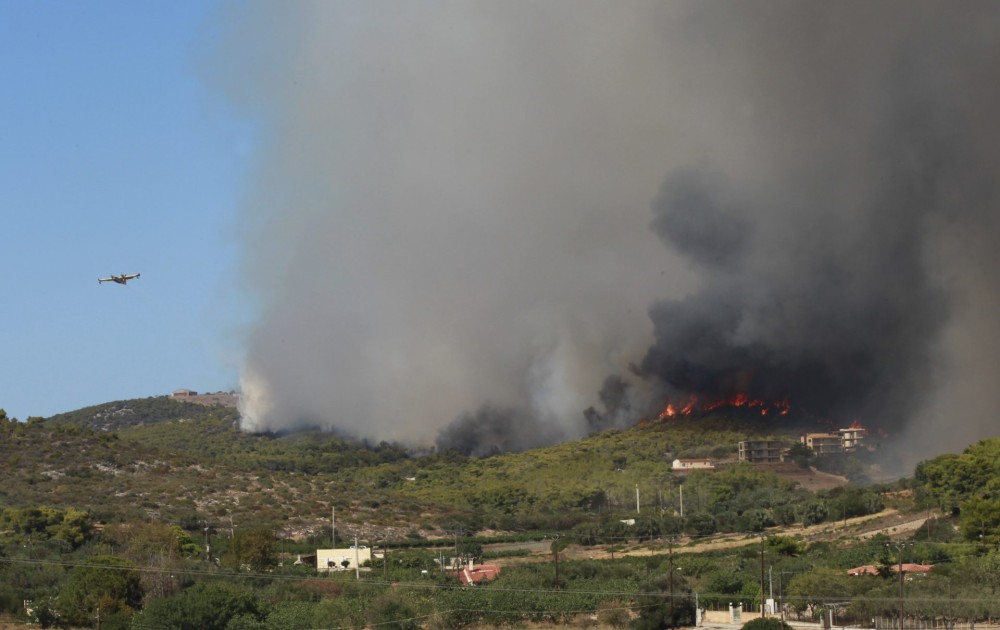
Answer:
[(614, 613), (766, 623)]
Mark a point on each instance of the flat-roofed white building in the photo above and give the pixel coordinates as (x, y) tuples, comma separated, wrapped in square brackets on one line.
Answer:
[(687, 465), (342, 559)]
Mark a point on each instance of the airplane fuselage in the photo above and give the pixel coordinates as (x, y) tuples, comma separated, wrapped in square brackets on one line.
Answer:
[(122, 279)]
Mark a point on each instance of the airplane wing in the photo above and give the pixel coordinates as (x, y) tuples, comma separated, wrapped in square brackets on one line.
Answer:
[(122, 279)]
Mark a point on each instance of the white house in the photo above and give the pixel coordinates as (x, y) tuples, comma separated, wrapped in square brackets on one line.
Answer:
[(342, 559), (687, 465)]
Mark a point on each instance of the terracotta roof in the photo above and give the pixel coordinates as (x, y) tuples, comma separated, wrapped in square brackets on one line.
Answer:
[(478, 573)]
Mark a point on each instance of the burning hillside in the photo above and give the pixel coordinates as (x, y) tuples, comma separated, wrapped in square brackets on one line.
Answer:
[(738, 401), (481, 220)]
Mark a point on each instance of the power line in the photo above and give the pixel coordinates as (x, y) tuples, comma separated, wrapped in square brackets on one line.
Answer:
[(457, 587)]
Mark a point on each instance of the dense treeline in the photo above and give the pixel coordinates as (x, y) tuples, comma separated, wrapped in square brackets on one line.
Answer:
[(152, 575), (967, 485)]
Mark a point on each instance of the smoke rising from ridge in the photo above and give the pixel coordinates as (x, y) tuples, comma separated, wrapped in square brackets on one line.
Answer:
[(488, 211)]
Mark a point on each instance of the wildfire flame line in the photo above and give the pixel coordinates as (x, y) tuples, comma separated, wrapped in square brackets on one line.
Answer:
[(674, 409)]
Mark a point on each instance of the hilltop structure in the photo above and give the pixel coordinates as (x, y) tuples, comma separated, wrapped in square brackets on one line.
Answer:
[(226, 399)]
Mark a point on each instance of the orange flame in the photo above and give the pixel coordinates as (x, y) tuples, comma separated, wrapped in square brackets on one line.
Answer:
[(672, 410)]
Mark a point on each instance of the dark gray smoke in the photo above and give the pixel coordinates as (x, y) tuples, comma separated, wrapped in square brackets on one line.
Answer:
[(839, 321), (616, 398), (824, 281), (491, 431), (450, 212)]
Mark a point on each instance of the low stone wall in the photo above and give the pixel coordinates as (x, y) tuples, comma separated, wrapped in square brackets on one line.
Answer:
[(713, 617)]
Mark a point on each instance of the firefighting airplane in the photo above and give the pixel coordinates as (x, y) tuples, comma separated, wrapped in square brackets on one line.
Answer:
[(122, 279)]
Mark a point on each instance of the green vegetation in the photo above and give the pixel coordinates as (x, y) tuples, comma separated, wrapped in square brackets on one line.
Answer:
[(194, 468), (766, 623), (966, 484), (176, 519), (130, 413)]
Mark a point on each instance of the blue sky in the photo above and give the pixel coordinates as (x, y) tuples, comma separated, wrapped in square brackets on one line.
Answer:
[(115, 158)]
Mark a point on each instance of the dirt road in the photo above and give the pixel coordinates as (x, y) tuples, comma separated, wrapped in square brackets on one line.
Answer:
[(889, 522)]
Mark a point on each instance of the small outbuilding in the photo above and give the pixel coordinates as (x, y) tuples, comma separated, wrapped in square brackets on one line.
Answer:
[(342, 559), (687, 465)]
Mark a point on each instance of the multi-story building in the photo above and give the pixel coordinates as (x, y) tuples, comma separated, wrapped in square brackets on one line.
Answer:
[(762, 451), (853, 436), (844, 440), (823, 443)]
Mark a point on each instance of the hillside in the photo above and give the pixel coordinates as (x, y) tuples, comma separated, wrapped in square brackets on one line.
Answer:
[(592, 525), (183, 463), (113, 416)]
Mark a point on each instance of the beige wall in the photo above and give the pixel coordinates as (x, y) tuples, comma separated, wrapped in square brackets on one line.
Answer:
[(338, 555)]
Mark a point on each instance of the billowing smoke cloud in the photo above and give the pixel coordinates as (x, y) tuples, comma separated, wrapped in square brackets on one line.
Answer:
[(827, 277), (451, 213), (490, 431)]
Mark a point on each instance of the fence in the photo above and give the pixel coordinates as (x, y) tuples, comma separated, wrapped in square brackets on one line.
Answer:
[(737, 615)]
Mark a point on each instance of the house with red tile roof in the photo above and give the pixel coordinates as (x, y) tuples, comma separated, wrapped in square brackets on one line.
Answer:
[(474, 574)]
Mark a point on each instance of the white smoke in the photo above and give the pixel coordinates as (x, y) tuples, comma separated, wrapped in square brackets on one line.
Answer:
[(450, 207)]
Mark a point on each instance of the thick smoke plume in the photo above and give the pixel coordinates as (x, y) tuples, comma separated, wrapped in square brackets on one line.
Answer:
[(490, 431), (829, 269), (450, 217)]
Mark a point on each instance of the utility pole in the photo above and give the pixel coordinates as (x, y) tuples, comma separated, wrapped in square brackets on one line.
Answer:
[(899, 549), (333, 527), (555, 558), (208, 548), (781, 595), (781, 591), (670, 579), (357, 561), (763, 608), (637, 499), (681, 490), (770, 582)]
